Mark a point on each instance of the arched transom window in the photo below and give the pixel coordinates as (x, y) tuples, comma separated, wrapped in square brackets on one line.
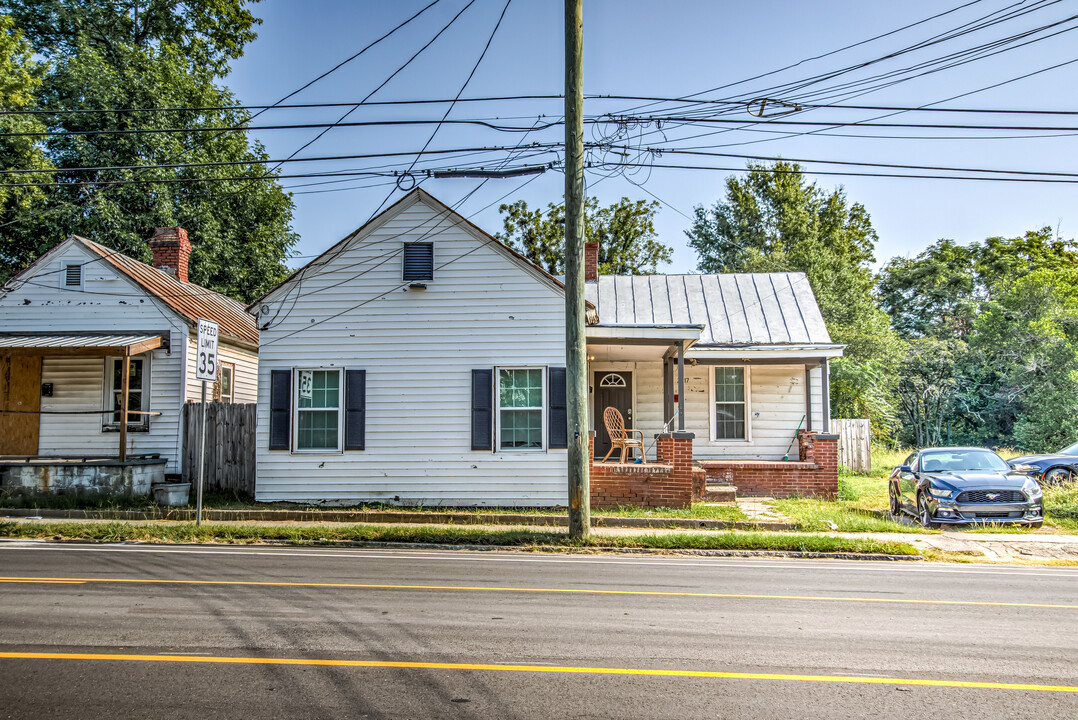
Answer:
[(612, 380)]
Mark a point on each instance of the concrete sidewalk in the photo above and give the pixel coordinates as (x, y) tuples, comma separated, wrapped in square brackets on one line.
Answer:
[(979, 547)]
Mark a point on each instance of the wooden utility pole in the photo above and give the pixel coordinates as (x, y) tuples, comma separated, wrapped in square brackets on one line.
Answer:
[(576, 358)]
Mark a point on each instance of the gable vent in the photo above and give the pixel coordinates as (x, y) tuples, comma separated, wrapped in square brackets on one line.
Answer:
[(73, 276), (418, 262)]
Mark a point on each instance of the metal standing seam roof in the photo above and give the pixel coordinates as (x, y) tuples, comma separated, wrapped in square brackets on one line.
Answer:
[(734, 308), (73, 340), (188, 300)]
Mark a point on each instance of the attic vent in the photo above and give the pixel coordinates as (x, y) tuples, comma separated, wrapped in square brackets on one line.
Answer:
[(418, 262), (73, 276)]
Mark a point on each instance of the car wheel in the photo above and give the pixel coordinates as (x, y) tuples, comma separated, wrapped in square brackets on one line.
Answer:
[(1037, 524), (896, 506), (923, 513), (1058, 476)]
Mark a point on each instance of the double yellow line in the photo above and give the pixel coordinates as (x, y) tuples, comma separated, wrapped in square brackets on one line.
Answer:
[(563, 669)]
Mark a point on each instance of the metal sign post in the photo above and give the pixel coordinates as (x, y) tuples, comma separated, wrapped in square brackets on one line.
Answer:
[(206, 371)]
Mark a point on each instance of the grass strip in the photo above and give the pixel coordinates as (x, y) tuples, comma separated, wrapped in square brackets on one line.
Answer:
[(528, 539)]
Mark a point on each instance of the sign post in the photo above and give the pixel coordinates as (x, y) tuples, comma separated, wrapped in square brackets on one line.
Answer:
[(206, 371)]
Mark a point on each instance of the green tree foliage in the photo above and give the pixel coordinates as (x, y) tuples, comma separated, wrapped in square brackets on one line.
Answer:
[(928, 388), (1028, 335), (156, 54), (20, 79), (772, 220), (934, 294), (624, 230)]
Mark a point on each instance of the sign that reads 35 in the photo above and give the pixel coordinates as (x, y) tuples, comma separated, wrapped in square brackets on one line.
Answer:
[(206, 361)]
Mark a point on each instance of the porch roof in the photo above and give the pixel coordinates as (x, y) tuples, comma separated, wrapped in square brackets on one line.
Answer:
[(634, 334), (97, 344)]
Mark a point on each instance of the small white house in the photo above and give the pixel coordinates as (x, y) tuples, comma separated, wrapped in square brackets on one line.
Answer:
[(70, 322), (421, 361)]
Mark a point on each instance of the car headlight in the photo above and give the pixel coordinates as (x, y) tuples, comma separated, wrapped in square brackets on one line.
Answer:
[(941, 493), (1026, 469), (1032, 488)]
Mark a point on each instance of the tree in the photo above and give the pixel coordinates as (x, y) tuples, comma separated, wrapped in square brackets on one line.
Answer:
[(934, 294), (156, 54), (624, 230), (20, 78), (927, 389), (773, 221)]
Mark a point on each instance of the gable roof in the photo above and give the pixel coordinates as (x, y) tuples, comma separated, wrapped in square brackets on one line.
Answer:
[(735, 309), (187, 300), (458, 220)]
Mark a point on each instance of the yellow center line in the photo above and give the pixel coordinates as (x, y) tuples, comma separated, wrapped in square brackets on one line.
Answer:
[(571, 591), (542, 669)]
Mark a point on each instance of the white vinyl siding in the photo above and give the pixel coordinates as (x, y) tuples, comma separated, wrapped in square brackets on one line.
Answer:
[(419, 348)]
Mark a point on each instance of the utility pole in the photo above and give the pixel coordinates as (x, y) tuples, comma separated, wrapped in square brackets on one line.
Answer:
[(576, 357)]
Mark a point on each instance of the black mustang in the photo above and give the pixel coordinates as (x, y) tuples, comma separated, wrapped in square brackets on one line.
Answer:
[(1051, 469), (963, 485)]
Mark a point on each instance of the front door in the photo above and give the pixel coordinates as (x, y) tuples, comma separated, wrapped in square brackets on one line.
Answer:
[(20, 391), (612, 389)]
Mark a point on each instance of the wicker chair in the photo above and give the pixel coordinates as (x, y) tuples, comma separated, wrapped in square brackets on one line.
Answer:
[(620, 436)]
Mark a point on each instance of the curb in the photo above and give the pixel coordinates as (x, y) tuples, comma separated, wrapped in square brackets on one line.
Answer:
[(511, 548), (362, 516)]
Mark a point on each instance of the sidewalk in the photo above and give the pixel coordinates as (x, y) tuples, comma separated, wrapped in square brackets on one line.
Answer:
[(979, 547)]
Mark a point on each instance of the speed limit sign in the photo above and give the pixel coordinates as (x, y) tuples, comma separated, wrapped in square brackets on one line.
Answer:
[(206, 360)]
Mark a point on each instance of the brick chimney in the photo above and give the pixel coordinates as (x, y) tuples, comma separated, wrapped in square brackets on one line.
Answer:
[(591, 261), (171, 249)]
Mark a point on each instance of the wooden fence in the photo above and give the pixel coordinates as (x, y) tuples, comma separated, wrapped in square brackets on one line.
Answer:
[(230, 445), (854, 443)]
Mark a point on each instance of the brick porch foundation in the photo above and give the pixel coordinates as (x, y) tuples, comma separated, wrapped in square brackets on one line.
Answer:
[(667, 483), (813, 474)]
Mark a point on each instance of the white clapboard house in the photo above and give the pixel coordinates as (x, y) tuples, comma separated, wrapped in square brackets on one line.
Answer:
[(72, 320), (421, 361)]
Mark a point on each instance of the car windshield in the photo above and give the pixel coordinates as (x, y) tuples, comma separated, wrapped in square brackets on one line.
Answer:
[(1070, 450), (962, 461)]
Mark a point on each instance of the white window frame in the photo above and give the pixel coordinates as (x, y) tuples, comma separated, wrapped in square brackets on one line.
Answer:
[(141, 422), (64, 265), (712, 429), (218, 393), (339, 450), (498, 409)]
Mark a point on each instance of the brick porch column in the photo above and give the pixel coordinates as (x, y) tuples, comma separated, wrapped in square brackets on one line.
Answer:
[(675, 449)]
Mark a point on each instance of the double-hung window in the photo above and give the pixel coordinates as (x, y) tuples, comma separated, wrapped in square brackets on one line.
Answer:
[(223, 388), (521, 409), (318, 409), (730, 404), (138, 392)]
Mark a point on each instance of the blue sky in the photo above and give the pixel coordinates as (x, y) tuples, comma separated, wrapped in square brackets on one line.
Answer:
[(672, 49)]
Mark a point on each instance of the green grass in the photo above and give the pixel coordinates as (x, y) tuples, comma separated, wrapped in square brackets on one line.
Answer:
[(536, 540), (77, 501), (698, 511), (1061, 506)]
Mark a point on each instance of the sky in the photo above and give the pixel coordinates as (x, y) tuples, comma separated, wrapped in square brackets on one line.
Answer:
[(674, 49)]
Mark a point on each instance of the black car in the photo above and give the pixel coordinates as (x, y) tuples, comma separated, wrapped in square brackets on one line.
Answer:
[(1050, 469), (963, 485)]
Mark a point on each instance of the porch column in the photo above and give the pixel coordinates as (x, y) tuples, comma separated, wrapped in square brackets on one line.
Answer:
[(681, 385), (825, 390), (808, 397), (125, 383)]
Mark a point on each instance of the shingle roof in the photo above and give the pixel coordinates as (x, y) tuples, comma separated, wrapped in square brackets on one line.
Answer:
[(188, 300), (735, 309)]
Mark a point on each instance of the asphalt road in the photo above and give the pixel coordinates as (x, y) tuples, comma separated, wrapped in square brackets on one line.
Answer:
[(142, 631)]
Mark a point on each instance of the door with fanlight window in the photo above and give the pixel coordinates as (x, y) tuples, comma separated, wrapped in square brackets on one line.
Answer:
[(611, 389)]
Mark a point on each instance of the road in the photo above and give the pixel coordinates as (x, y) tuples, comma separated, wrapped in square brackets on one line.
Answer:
[(138, 631)]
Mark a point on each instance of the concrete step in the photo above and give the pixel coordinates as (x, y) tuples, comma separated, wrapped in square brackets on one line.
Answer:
[(719, 493)]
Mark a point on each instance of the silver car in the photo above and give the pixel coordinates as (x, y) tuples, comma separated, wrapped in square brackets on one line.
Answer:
[(964, 485)]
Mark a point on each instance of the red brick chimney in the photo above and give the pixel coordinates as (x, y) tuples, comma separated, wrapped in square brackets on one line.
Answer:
[(171, 249), (591, 261)]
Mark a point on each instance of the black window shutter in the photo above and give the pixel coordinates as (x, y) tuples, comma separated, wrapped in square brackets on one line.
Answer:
[(280, 408), (482, 409), (418, 261), (557, 419), (355, 409)]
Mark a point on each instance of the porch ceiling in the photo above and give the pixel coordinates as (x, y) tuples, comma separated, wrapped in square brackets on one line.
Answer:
[(95, 344), (636, 343)]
